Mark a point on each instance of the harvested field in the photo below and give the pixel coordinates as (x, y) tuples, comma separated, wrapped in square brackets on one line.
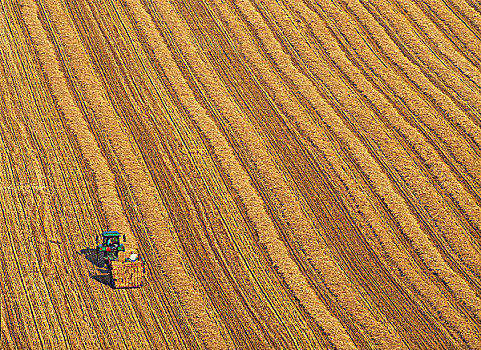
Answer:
[(298, 174)]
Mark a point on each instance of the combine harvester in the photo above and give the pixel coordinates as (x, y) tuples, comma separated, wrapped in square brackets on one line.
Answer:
[(125, 272)]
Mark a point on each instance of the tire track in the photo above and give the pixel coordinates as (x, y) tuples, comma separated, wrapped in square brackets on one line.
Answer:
[(244, 40), (313, 63), (264, 156), (466, 206), (240, 182), (137, 179), (263, 143), (353, 108), (210, 85), (465, 42), (30, 198), (149, 151), (445, 153), (270, 50), (459, 95), (422, 51), (418, 82), (78, 267)]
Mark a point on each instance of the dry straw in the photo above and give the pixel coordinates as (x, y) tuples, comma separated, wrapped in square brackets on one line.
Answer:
[(381, 183), (103, 176), (450, 34), (240, 180), (412, 180), (442, 175), (434, 183), (245, 132), (141, 184)]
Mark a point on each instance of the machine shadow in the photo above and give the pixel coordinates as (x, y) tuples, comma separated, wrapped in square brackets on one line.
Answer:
[(104, 279), (91, 255), (103, 275)]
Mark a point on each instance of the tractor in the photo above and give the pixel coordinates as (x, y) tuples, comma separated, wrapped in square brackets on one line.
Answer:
[(126, 272), (110, 247)]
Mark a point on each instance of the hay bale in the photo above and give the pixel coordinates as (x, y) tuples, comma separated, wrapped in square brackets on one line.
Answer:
[(127, 274)]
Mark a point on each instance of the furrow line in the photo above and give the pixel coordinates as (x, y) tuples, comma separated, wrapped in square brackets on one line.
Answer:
[(104, 178), (141, 184), (241, 185), (259, 249), (406, 220), (15, 129), (285, 199), (458, 121), (422, 51), (420, 115), (68, 106), (234, 122), (465, 204), (144, 141), (147, 112), (465, 98), (355, 108), (474, 5), (465, 42), (250, 54)]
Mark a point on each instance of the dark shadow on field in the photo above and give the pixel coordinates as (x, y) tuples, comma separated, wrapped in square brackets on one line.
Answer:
[(91, 255), (104, 279), (103, 273)]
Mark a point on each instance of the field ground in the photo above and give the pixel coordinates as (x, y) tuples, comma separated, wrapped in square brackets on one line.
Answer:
[(299, 174)]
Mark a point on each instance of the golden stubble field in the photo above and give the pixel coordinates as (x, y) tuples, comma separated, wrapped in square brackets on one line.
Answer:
[(299, 174)]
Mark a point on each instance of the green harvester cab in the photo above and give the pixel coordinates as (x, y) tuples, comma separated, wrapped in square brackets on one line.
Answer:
[(110, 247)]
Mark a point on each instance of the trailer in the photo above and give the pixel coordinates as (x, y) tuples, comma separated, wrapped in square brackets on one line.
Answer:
[(127, 274)]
